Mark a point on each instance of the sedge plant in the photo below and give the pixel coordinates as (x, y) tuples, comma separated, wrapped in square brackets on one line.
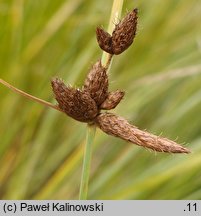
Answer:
[(86, 104)]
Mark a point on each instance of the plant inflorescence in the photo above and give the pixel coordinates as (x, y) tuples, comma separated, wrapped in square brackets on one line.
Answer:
[(85, 104)]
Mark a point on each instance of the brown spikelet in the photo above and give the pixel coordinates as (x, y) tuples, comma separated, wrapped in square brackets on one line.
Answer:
[(112, 100), (104, 40), (96, 83), (122, 36), (74, 102), (124, 32), (119, 127)]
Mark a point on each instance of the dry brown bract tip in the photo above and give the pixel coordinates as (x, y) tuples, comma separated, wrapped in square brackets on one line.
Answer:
[(119, 127), (122, 36)]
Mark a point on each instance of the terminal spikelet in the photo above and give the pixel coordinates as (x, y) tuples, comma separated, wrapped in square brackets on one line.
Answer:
[(122, 36)]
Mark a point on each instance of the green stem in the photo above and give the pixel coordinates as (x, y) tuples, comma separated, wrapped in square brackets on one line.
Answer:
[(91, 129), (114, 19)]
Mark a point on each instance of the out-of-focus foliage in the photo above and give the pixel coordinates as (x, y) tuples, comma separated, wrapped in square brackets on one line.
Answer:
[(41, 149)]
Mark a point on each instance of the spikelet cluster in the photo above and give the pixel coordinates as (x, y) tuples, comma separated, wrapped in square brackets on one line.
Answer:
[(85, 104), (122, 36)]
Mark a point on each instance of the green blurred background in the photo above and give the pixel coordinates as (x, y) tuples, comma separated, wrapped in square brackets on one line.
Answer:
[(41, 149)]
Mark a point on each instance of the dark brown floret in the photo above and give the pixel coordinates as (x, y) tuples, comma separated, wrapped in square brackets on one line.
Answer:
[(96, 83), (124, 33), (104, 40), (122, 36), (74, 102), (112, 100)]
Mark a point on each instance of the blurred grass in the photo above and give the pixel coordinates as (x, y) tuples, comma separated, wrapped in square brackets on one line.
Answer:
[(41, 149)]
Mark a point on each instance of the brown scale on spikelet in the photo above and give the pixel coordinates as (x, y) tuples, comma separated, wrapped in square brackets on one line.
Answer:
[(112, 100), (96, 83), (74, 102), (124, 32), (104, 40), (122, 36), (119, 127)]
